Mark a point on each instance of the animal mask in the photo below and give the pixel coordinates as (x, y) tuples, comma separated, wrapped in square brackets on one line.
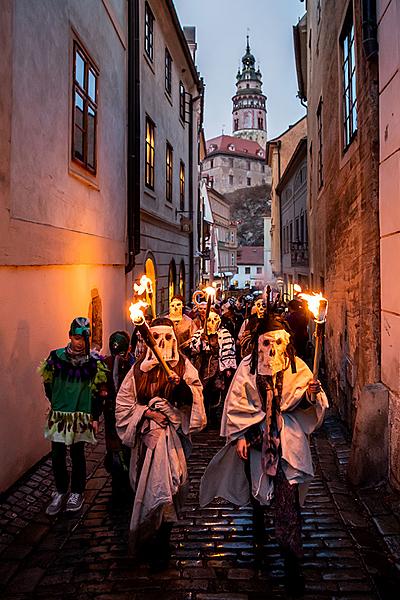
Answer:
[(271, 352), (165, 339)]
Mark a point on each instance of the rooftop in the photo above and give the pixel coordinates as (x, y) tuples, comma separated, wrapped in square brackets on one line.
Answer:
[(250, 255), (228, 144)]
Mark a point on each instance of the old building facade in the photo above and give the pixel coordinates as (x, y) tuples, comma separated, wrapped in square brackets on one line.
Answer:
[(388, 19), (251, 273), (279, 152), (63, 196), (292, 194), (342, 129), (170, 124)]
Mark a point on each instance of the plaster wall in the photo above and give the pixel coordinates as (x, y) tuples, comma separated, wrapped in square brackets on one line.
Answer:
[(389, 213), (256, 277), (37, 306)]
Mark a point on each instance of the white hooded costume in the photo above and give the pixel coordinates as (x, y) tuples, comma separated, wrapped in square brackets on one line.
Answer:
[(158, 471), (225, 475)]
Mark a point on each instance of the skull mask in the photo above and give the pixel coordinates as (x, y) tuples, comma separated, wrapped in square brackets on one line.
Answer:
[(271, 352), (165, 339), (201, 309), (213, 322), (175, 309), (260, 307)]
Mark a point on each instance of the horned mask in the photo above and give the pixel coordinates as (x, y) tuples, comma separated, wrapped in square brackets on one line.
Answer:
[(165, 339), (272, 352)]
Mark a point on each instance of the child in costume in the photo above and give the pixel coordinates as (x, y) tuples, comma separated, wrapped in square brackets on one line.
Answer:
[(73, 378), (154, 417)]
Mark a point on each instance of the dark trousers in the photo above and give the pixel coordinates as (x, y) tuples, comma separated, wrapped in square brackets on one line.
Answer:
[(287, 513), (78, 472)]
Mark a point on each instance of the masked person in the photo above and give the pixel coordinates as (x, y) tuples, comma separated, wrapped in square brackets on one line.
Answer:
[(184, 326), (74, 380), (154, 416), (117, 455), (250, 325), (213, 353), (268, 415), (200, 314)]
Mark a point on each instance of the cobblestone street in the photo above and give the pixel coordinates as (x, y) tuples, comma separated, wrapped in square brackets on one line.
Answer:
[(351, 541)]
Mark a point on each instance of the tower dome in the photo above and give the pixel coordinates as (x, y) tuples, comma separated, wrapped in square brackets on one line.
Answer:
[(249, 114)]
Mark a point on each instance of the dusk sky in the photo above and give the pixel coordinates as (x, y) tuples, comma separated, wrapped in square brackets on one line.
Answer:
[(222, 26)]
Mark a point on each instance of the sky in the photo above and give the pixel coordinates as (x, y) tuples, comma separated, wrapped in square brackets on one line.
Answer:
[(221, 27)]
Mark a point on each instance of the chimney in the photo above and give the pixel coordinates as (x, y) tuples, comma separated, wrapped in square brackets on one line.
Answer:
[(190, 35)]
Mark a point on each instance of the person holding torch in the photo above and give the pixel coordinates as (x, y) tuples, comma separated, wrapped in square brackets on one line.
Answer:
[(157, 407)]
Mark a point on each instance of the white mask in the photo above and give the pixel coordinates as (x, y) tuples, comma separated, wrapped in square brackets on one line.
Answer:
[(175, 310), (271, 352), (213, 323), (165, 339), (260, 307)]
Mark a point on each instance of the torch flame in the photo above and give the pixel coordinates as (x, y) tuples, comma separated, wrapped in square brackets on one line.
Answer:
[(136, 312), (144, 286), (317, 305), (210, 291), (297, 288)]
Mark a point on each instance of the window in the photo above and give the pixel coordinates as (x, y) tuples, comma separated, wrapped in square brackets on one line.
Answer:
[(263, 168), (302, 231), (212, 163), (84, 138), (318, 11), (247, 270), (232, 237), (259, 270), (248, 165), (182, 101), (230, 162), (349, 82), (260, 123), (320, 157), (149, 153), (232, 259), (235, 124), (248, 180), (230, 179), (297, 229), (149, 32), (211, 182), (168, 72), (182, 186), (290, 232), (168, 172)]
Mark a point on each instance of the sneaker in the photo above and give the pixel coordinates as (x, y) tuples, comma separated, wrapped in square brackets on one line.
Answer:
[(74, 502), (56, 504)]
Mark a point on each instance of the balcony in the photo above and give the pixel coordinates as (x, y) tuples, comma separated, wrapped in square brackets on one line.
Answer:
[(299, 254)]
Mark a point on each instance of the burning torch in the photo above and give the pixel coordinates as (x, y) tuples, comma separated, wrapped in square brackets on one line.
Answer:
[(145, 287), (139, 321), (210, 292), (318, 306)]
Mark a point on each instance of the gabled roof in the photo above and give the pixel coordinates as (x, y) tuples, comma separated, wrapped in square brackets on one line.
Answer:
[(250, 255), (229, 144)]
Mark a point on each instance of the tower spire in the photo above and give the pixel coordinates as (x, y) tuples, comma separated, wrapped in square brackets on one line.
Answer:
[(248, 43)]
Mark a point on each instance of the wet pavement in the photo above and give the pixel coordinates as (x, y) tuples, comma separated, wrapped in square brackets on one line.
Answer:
[(351, 539)]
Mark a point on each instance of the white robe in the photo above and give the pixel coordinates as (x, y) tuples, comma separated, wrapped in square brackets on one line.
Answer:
[(160, 482), (225, 475)]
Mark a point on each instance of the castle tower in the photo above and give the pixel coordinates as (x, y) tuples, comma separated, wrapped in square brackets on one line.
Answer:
[(249, 114)]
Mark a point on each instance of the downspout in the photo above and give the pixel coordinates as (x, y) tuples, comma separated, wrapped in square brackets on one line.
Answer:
[(278, 145), (369, 28), (133, 166), (191, 214)]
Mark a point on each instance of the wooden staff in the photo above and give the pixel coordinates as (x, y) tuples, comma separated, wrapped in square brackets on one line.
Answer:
[(319, 333), (146, 334)]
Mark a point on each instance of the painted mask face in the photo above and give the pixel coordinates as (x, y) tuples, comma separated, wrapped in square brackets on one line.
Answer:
[(271, 352), (260, 307), (176, 309), (201, 309), (165, 339), (213, 322)]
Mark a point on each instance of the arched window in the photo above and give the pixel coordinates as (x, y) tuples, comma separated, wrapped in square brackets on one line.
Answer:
[(171, 280), (150, 270), (182, 279)]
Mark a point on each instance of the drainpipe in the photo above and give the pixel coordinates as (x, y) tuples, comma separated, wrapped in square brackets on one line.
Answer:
[(369, 28), (133, 166)]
